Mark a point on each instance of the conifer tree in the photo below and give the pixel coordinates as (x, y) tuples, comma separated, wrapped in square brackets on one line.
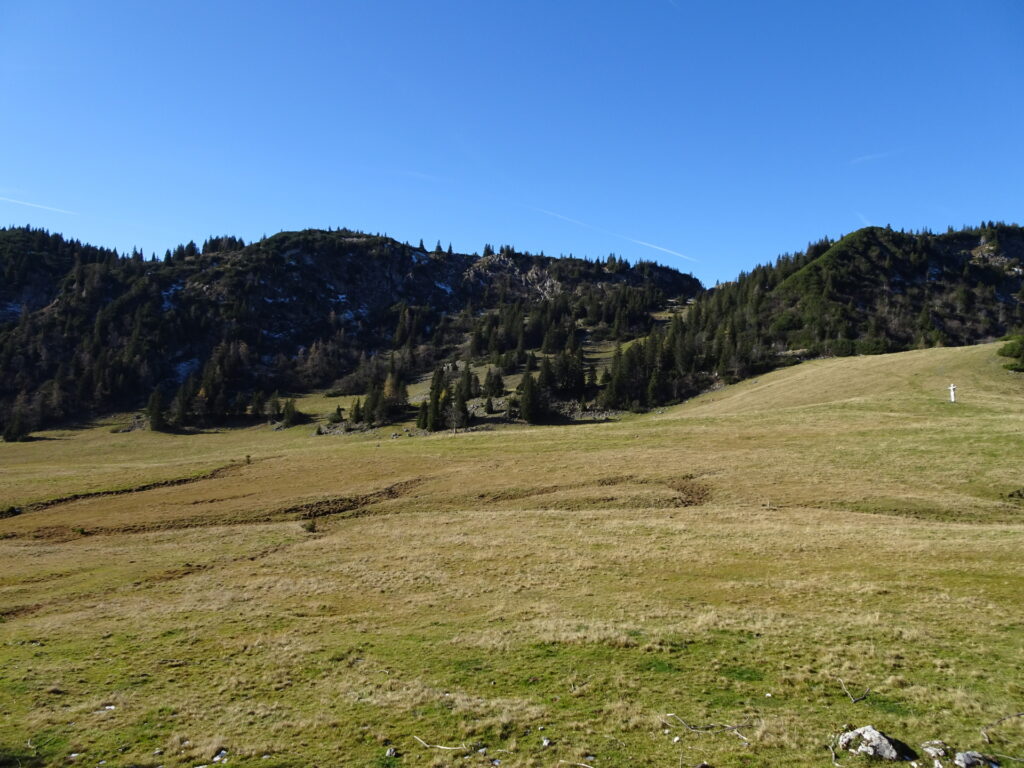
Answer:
[(155, 412), (529, 400), (289, 413), (435, 418), (546, 376), (16, 430)]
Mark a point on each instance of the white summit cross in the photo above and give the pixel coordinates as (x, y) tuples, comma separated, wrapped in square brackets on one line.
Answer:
[(952, 393)]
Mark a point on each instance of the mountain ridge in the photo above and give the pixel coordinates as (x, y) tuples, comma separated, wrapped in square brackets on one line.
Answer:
[(231, 322)]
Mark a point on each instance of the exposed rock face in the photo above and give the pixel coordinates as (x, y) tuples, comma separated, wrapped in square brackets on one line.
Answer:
[(871, 742)]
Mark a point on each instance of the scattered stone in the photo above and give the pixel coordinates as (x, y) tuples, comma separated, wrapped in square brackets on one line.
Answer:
[(220, 755), (935, 748), (110, 707), (158, 751), (391, 752), (871, 742), (546, 742), (974, 760)]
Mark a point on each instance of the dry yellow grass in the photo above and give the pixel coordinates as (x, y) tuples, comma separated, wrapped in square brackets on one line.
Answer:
[(834, 520)]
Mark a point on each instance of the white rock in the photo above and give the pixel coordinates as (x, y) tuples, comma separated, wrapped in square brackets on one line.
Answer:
[(935, 748), (869, 741)]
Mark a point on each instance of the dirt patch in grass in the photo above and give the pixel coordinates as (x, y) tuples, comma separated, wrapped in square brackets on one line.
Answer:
[(691, 491), (212, 474), (341, 505)]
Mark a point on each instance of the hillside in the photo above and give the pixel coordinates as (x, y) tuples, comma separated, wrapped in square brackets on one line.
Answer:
[(875, 290), (211, 336), (291, 312), (586, 584)]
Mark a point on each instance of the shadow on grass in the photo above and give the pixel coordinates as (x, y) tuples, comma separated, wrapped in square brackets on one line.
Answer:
[(13, 759)]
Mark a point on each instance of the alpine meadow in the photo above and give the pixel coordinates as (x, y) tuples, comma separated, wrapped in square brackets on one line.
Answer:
[(539, 384), (521, 511)]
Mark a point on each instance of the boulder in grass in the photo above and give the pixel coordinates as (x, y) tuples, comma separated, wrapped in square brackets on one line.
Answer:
[(974, 760), (871, 742)]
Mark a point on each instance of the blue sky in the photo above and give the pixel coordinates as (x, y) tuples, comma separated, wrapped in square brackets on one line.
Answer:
[(707, 136)]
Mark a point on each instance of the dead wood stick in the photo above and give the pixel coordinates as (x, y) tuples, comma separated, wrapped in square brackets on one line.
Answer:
[(835, 760), (711, 727), (580, 765), (460, 748), (1007, 757), (847, 692), (984, 728)]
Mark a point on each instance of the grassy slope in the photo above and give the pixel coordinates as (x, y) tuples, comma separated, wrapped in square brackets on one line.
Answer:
[(838, 519)]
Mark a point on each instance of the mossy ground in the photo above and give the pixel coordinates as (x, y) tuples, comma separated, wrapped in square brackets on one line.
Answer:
[(835, 520)]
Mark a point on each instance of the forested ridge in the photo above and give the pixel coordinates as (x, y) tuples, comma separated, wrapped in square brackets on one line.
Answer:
[(215, 333)]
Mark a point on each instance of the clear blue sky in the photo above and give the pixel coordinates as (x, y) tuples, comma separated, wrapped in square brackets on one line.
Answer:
[(725, 132)]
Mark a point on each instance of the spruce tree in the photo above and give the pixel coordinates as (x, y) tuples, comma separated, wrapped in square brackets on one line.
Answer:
[(457, 414), (155, 412), (546, 376), (434, 414), (16, 430), (529, 400), (289, 413)]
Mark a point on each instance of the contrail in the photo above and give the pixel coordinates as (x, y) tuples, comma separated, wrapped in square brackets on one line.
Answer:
[(613, 234), (659, 248), (566, 218), (36, 205)]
